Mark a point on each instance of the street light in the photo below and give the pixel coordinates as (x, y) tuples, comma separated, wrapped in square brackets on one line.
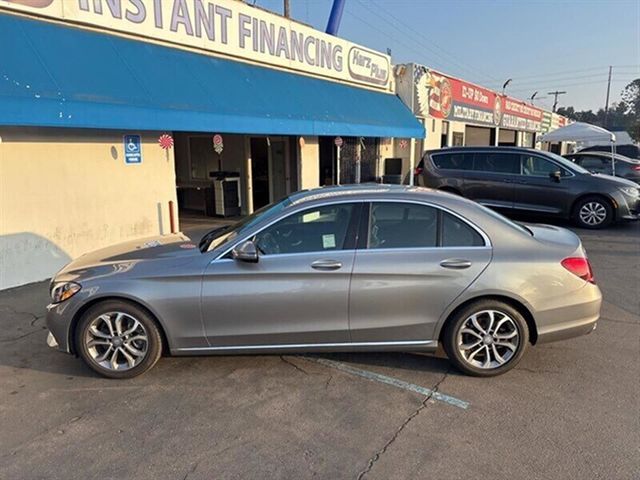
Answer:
[(504, 86)]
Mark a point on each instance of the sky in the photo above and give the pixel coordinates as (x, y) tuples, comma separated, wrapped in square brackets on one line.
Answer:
[(542, 45)]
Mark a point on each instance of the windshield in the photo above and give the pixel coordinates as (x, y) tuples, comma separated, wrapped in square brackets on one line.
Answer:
[(220, 236), (567, 163)]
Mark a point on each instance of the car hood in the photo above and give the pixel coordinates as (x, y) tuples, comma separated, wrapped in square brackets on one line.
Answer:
[(123, 256), (618, 181)]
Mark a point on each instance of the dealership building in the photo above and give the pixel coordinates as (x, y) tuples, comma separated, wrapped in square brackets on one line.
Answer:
[(456, 112), (117, 115)]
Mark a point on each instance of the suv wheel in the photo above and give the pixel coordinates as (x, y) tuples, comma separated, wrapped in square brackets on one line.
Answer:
[(593, 212), (118, 339), (486, 338)]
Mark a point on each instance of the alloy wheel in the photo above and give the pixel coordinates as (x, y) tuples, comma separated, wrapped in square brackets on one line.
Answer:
[(116, 341), (488, 339), (592, 213)]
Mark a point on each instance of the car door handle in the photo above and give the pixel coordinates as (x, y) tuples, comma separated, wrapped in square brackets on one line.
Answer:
[(455, 263), (326, 265)]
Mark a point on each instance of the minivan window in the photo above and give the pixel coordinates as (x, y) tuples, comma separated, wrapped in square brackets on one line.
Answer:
[(453, 161), (494, 162), (535, 166), (402, 225)]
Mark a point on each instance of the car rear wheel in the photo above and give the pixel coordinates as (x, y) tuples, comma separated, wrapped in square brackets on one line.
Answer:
[(486, 338), (118, 339), (593, 212)]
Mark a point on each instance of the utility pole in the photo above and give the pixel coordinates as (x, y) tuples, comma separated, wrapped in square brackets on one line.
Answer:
[(287, 11), (606, 103), (555, 98)]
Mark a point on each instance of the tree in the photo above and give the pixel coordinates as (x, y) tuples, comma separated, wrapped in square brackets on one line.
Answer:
[(631, 103)]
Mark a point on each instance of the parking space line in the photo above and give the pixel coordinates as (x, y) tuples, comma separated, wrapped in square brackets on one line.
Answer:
[(395, 382)]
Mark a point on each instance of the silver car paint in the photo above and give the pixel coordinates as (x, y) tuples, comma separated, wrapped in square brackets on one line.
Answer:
[(282, 303)]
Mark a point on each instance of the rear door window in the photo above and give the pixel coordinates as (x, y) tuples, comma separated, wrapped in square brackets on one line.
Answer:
[(453, 161), (494, 162), (456, 233), (402, 225)]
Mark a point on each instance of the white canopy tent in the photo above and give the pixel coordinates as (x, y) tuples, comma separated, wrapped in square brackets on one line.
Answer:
[(583, 132)]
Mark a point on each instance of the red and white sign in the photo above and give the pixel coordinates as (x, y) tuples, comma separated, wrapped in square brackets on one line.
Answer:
[(451, 98), (165, 141), (217, 139), (338, 141), (403, 144)]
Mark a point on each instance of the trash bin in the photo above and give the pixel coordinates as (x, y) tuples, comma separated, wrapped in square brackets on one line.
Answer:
[(226, 191)]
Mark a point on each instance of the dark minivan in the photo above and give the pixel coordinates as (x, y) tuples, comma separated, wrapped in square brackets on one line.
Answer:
[(533, 181)]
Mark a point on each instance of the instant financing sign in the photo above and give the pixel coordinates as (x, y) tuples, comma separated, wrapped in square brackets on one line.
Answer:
[(225, 27)]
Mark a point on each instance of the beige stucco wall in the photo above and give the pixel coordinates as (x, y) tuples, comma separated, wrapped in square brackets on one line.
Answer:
[(64, 192), (309, 163)]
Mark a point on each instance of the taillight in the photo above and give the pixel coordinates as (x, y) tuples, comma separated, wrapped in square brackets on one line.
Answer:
[(636, 168), (418, 171), (580, 267)]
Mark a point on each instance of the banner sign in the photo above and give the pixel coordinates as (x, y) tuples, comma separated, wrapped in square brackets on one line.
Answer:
[(226, 27), (441, 96)]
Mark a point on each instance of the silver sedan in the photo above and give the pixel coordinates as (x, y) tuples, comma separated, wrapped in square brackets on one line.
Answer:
[(356, 268)]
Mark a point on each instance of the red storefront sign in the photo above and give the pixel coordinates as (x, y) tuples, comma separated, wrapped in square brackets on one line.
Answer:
[(454, 99)]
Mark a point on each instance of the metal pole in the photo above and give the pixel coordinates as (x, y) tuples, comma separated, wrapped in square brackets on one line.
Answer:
[(606, 103), (338, 166), (613, 157), (412, 162), (555, 99), (334, 17), (287, 10)]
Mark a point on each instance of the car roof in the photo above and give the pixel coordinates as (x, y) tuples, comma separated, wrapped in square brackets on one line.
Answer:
[(486, 148), (370, 191), (603, 154)]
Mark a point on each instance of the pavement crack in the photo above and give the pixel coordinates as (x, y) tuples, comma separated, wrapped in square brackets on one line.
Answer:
[(19, 337), (378, 455), (191, 470), (289, 362)]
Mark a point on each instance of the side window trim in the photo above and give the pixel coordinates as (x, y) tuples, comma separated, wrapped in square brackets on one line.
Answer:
[(364, 245)]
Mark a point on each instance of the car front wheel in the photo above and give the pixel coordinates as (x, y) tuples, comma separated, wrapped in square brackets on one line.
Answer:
[(118, 339), (593, 212), (486, 338)]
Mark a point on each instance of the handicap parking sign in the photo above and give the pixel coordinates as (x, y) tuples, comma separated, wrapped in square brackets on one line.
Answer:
[(132, 149)]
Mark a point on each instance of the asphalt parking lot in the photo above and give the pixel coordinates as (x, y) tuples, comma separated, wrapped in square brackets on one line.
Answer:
[(569, 410)]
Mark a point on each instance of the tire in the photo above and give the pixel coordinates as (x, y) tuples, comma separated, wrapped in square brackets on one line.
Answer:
[(127, 348), (593, 212), (512, 330)]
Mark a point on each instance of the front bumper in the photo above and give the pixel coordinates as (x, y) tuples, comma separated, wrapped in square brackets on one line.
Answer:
[(58, 320), (628, 208)]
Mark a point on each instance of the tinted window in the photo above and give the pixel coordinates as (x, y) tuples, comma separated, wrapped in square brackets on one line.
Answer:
[(456, 233), (593, 163), (535, 166), (494, 162), (313, 230), (453, 161), (402, 225)]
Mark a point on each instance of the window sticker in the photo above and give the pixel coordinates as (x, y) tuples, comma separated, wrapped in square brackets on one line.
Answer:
[(311, 217), (329, 241)]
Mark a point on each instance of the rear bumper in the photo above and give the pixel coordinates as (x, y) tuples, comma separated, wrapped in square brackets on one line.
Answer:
[(573, 320)]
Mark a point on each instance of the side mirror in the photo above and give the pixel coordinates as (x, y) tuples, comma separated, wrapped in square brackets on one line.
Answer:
[(556, 175), (246, 252)]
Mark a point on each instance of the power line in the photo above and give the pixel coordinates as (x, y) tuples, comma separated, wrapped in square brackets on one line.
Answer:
[(427, 43)]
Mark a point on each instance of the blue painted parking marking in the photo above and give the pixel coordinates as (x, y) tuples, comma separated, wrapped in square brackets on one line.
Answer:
[(395, 382)]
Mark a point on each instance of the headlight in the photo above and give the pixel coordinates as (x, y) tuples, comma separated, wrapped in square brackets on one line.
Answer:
[(631, 191), (62, 291)]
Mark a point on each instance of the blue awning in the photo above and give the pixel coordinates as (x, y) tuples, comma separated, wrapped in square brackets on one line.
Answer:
[(59, 76)]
